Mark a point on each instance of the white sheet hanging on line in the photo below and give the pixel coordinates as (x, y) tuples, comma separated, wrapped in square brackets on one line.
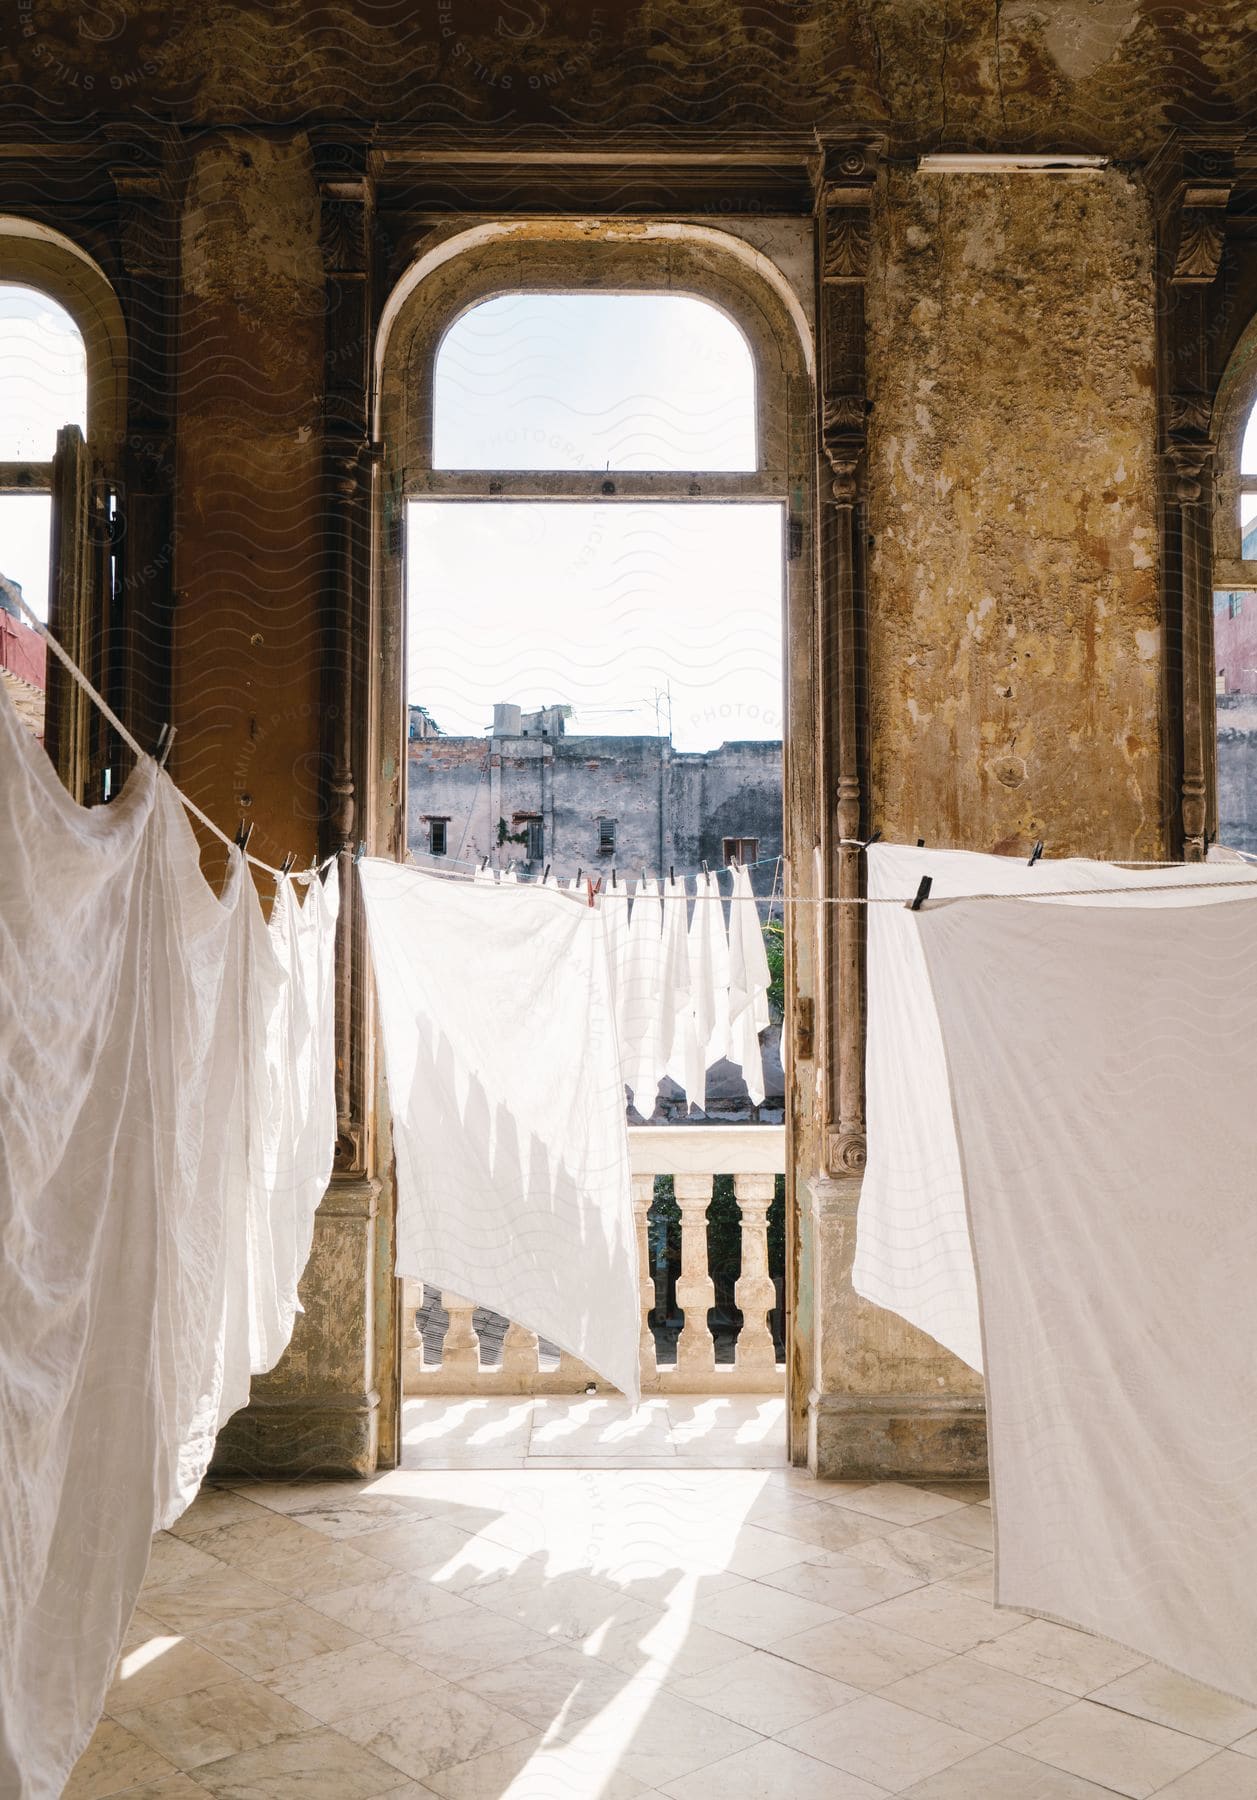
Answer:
[(1101, 1065), (145, 1246), (508, 1106), (912, 1237), (749, 980), (684, 1058), (640, 999), (709, 989)]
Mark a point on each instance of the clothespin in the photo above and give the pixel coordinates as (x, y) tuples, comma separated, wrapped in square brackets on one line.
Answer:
[(510, 865), (546, 873), (580, 872), (164, 741), (594, 887), (870, 840), (920, 843), (706, 870), (485, 863), (672, 874), (359, 853), (244, 831), (923, 893), (1036, 853), (286, 867), (614, 882)]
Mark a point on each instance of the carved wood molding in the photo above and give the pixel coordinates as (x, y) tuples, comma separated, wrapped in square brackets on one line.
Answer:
[(845, 185), (1201, 232), (346, 226)]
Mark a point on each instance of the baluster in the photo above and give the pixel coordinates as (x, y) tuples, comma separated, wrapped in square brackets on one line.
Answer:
[(643, 1196), (572, 1375), (755, 1293), (412, 1341), (696, 1293), (460, 1351), (520, 1358)]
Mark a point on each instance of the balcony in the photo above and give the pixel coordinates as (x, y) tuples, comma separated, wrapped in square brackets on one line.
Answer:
[(692, 1340)]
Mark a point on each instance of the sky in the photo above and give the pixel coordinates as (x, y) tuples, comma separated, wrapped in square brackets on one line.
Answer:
[(636, 616), (43, 385)]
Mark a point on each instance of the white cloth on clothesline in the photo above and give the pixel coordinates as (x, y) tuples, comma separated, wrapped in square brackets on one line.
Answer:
[(709, 985), (749, 980), (1105, 1093), (160, 1161), (912, 1237), (508, 1107), (683, 1057), (641, 1000)]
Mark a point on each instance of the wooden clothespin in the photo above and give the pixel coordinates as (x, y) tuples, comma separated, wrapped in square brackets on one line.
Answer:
[(244, 831), (286, 867), (165, 740), (923, 893)]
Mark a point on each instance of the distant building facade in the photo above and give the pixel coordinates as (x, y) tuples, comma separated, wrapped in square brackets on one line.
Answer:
[(529, 794), (23, 659)]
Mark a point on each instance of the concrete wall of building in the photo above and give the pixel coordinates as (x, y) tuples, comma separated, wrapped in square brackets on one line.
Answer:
[(1235, 643), (671, 808), (1237, 770)]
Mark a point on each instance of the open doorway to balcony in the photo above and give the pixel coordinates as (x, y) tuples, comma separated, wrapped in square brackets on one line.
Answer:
[(594, 526)]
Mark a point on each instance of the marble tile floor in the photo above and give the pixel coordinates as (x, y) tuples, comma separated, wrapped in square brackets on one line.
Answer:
[(587, 1632), (733, 1431)]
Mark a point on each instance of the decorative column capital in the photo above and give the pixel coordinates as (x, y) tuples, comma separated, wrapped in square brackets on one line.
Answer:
[(1188, 464)]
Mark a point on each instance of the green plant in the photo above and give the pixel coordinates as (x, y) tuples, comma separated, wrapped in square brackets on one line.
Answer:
[(775, 949)]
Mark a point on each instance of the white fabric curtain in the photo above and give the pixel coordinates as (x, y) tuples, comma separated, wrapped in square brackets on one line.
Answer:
[(1105, 1092), (162, 1150), (912, 1236), (508, 1106)]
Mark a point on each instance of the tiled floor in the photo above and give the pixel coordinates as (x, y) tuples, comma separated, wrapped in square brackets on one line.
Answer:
[(562, 1629)]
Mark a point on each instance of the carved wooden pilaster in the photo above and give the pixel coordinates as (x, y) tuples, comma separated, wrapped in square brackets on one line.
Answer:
[(846, 177), (1188, 464), (145, 180), (346, 200), (1191, 183)]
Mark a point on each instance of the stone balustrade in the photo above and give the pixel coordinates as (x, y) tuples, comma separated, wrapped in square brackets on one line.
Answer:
[(505, 1358)]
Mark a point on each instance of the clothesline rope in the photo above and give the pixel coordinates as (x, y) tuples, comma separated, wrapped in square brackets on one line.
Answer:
[(98, 700), (886, 899)]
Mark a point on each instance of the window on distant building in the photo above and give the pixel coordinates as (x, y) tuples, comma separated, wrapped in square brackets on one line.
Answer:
[(606, 837), (528, 827), (741, 850), (436, 836)]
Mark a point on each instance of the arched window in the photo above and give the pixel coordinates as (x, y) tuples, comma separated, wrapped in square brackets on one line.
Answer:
[(43, 386), (62, 412), (594, 381)]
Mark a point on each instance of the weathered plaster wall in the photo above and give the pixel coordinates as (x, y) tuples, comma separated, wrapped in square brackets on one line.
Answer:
[(1014, 638), (247, 649), (1108, 73)]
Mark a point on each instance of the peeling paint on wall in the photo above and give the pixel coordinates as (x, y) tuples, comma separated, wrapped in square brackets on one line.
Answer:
[(1014, 632)]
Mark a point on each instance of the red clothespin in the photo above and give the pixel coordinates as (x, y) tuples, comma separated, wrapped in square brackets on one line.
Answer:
[(594, 887)]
